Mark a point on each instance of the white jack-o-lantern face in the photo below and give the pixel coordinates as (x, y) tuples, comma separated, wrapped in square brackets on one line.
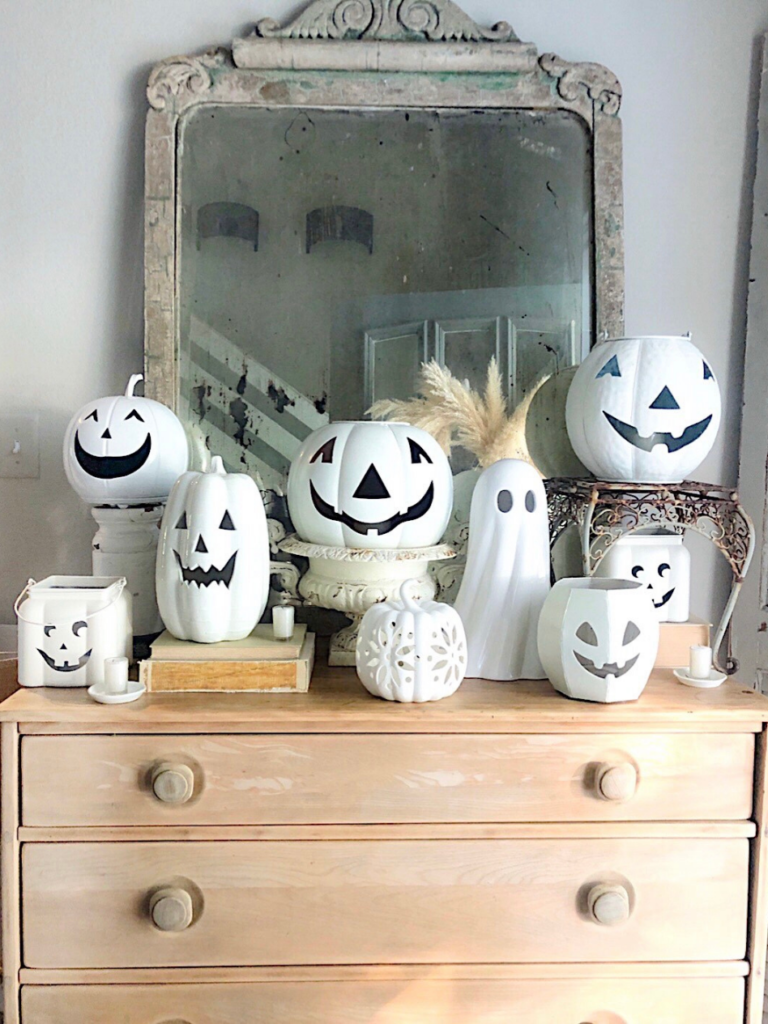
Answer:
[(213, 557), (643, 409), (65, 646), (661, 563), (124, 448), (370, 485), (598, 638)]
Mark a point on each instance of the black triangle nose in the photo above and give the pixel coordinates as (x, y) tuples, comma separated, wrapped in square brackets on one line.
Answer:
[(63, 647), (664, 400), (371, 486), (106, 436), (200, 546)]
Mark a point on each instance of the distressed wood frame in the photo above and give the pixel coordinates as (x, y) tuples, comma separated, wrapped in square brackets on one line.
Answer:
[(371, 54)]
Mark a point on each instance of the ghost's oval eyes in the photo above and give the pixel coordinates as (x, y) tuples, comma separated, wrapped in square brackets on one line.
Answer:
[(417, 452), (630, 633), (636, 570), (586, 633), (78, 626), (504, 500), (182, 523), (93, 416), (611, 369), (325, 454), (226, 522), (48, 630), (530, 501), (134, 415), (664, 568)]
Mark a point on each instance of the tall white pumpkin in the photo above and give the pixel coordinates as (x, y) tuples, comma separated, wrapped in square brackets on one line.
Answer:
[(643, 410), (213, 557), (370, 485)]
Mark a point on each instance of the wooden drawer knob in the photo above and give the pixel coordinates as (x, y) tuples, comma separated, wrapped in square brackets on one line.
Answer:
[(616, 782), (171, 909), (172, 783), (608, 904)]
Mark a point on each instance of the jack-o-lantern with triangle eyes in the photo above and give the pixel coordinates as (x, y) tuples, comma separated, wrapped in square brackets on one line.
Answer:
[(643, 410), (370, 485), (124, 449)]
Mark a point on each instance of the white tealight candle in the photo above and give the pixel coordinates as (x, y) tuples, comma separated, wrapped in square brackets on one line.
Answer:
[(701, 661), (282, 621), (116, 675)]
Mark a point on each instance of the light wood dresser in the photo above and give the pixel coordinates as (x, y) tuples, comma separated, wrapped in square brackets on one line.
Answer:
[(327, 858)]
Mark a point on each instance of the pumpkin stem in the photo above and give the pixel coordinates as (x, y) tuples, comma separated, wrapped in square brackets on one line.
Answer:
[(217, 465), (410, 602), (135, 378)]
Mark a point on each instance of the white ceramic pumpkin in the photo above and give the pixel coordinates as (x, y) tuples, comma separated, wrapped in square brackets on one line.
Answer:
[(411, 651), (213, 557), (124, 449), (643, 410), (661, 562), (598, 638), (370, 485)]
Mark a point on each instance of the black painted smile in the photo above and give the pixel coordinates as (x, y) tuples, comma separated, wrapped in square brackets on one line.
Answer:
[(110, 467), (663, 601), (416, 511), (610, 669), (647, 444), (66, 667), (204, 577)]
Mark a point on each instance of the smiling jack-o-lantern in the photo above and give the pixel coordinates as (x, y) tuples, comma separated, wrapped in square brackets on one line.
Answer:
[(661, 562), (598, 638), (213, 557), (124, 449), (370, 485), (643, 409)]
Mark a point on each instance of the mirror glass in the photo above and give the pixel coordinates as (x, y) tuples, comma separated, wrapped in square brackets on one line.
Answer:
[(325, 254)]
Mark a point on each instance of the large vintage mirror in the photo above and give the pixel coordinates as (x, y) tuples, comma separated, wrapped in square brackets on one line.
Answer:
[(378, 183)]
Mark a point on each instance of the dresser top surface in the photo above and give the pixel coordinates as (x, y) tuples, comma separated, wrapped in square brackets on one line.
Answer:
[(336, 702)]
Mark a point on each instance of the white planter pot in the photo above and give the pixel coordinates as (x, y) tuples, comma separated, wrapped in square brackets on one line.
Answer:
[(661, 563), (68, 626), (598, 638)]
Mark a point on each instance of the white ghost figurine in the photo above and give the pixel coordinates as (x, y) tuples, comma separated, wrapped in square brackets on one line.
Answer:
[(507, 577)]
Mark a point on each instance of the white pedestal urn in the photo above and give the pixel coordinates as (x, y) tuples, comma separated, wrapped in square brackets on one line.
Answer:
[(352, 580), (125, 544)]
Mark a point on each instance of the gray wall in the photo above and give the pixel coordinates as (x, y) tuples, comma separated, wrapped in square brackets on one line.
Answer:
[(71, 187)]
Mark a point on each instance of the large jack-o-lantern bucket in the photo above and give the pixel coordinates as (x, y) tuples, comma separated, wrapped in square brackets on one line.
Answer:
[(598, 638), (643, 410), (370, 485), (68, 627)]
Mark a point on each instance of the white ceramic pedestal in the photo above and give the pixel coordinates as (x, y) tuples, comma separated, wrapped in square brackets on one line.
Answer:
[(125, 544), (351, 580)]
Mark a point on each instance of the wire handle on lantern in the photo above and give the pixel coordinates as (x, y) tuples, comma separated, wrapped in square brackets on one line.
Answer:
[(118, 587)]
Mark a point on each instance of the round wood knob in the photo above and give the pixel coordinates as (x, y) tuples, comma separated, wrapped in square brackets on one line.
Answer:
[(616, 782), (172, 783), (608, 904), (171, 909)]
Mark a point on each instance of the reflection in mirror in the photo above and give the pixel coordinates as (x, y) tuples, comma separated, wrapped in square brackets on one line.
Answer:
[(325, 254)]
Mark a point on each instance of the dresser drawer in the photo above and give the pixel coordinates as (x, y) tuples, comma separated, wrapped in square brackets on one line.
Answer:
[(304, 779), (414, 1001), (382, 901)]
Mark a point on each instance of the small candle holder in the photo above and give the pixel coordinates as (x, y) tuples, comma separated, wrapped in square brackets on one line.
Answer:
[(115, 675), (282, 621), (700, 662)]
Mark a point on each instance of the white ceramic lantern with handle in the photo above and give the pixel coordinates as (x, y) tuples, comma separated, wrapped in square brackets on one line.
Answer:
[(213, 557), (370, 485), (411, 651), (661, 563), (124, 449), (598, 638), (643, 410)]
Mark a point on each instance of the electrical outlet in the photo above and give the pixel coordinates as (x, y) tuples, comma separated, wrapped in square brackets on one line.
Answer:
[(19, 445)]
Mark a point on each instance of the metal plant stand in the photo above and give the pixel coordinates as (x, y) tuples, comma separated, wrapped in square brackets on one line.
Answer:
[(604, 512)]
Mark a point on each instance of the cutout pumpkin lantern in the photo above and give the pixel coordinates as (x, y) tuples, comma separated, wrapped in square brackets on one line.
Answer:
[(124, 449), (213, 557), (643, 410), (661, 562), (370, 485), (598, 638), (411, 651)]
